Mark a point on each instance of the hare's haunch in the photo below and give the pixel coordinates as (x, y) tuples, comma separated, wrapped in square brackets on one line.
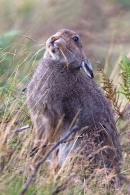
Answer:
[(60, 95)]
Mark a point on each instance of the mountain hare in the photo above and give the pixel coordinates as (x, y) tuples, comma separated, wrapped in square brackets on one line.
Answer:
[(61, 95)]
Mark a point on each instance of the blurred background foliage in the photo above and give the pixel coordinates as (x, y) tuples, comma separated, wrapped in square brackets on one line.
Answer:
[(103, 25)]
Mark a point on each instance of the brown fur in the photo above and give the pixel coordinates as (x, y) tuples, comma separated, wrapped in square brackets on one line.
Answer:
[(58, 89)]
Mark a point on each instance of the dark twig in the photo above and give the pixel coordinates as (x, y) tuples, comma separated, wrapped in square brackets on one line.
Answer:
[(126, 180), (123, 178), (18, 130), (63, 186), (35, 149), (75, 128)]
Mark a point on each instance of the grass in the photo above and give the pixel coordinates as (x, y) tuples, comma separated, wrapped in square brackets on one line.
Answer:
[(15, 148), (17, 66)]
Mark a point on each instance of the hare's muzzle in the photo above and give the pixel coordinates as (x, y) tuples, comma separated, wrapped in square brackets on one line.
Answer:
[(54, 44), (87, 68), (50, 45)]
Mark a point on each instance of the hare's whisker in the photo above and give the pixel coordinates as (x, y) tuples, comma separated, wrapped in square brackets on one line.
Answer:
[(73, 55), (64, 56), (38, 45)]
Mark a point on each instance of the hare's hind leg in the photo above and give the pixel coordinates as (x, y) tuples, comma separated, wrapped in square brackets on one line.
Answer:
[(41, 140)]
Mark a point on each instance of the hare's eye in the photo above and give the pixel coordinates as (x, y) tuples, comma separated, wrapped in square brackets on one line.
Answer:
[(75, 38)]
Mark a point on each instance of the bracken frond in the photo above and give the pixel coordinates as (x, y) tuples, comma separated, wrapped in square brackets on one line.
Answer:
[(125, 73), (110, 90)]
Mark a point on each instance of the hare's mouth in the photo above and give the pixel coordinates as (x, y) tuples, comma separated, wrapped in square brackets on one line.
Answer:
[(55, 45), (53, 50)]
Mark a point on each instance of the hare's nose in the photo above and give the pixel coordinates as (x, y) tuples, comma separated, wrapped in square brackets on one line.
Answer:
[(50, 42)]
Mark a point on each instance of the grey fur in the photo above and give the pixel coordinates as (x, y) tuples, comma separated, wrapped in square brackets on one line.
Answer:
[(58, 89)]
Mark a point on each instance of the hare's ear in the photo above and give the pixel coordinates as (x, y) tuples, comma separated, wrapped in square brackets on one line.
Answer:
[(87, 68)]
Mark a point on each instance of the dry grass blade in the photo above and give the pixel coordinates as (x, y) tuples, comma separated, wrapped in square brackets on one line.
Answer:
[(75, 128)]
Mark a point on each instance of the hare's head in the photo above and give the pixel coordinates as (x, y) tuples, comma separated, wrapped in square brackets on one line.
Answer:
[(66, 47)]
